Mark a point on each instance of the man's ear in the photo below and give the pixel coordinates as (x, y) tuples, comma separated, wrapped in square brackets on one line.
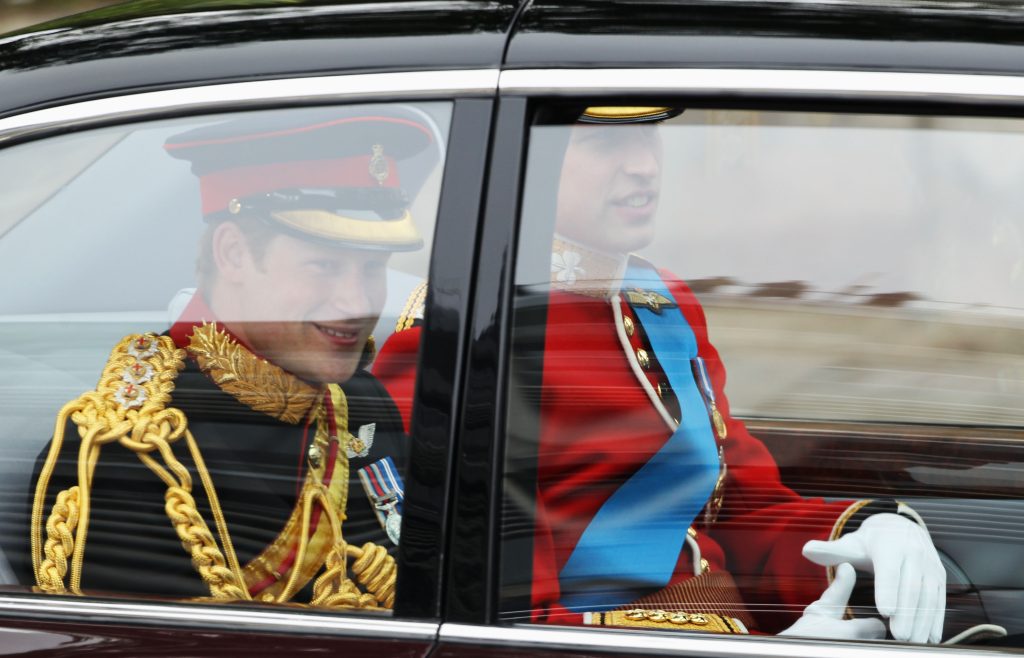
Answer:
[(231, 252)]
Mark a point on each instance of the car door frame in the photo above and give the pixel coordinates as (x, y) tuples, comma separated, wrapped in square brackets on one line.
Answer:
[(471, 625), (413, 629)]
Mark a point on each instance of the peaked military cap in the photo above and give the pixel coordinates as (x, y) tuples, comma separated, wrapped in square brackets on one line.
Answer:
[(627, 114), (341, 175)]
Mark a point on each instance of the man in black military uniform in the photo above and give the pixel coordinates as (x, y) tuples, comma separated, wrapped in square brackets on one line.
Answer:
[(246, 454)]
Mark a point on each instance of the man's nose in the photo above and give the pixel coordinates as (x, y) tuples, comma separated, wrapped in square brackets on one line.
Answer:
[(350, 298), (642, 160)]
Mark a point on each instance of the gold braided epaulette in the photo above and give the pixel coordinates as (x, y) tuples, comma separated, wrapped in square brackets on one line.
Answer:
[(130, 407), (413, 308), (132, 393), (139, 377)]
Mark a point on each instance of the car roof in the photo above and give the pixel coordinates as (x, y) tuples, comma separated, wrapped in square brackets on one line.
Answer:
[(906, 35), (145, 45)]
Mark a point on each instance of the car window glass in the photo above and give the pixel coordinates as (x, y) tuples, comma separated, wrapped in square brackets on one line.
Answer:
[(860, 277), (187, 333)]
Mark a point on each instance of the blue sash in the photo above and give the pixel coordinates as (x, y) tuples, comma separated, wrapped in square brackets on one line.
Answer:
[(632, 544)]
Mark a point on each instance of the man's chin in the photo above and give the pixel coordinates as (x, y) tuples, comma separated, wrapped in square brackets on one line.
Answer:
[(325, 371)]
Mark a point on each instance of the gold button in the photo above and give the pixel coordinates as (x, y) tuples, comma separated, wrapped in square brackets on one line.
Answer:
[(657, 616), (705, 566), (267, 598), (661, 393), (642, 358), (692, 532), (628, 324), (315, 455), (679, 618)]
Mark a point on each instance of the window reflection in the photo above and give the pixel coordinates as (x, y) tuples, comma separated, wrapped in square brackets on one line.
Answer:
[(849, 272)]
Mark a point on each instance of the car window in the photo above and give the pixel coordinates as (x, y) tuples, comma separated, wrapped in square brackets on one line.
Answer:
[(860, 278), (190, 318)]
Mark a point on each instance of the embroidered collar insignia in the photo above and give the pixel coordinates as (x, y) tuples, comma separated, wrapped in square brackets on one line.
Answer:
[(253, 381)]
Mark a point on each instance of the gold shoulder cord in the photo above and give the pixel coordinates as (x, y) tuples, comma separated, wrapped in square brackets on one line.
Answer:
[(413, 308), (309, 548), (129, 407)]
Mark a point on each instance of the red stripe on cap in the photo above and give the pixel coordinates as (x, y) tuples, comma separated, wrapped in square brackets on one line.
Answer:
[(300, 129), (219, 187)]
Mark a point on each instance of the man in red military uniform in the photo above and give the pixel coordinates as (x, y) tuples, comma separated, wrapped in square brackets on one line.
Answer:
[(654, 506)]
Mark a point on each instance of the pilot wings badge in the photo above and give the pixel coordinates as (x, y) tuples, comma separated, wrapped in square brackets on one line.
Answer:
[(360, 444), (638, 297)]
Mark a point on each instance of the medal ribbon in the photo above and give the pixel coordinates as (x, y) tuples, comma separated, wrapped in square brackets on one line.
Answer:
[(632, 544), (383, 483)]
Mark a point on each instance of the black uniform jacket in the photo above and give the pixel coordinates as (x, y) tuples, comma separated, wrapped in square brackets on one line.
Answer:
[(257, 464)]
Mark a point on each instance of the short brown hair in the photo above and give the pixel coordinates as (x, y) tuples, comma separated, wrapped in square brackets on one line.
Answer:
[(257, 231)]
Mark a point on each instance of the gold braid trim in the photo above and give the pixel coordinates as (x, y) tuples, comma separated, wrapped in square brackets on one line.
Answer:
[(255, 382), (129, 407), (197, 540), (413, 308), (59, 542), (373, 568)]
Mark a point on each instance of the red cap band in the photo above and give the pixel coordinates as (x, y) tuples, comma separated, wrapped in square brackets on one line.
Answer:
[(219, 187)]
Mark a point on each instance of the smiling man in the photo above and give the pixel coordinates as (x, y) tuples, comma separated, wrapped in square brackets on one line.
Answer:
[(246, 454), (654, 506)]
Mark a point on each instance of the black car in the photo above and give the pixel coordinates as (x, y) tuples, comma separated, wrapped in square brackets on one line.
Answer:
[(828, 191)]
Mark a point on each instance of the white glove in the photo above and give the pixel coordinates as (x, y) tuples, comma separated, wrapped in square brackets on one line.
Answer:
[(910, 581), (824, 618)]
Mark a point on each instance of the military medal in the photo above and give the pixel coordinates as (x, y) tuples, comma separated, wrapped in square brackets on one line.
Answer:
[(714, 505), (701, 371), (383, 486)]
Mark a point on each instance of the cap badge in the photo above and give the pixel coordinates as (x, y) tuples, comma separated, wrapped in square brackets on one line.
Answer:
[(378, 165)]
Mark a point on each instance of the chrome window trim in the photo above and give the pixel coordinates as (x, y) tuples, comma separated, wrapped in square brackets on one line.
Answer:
[(225, 618), (250, 95), (655, 643), (856, 85)]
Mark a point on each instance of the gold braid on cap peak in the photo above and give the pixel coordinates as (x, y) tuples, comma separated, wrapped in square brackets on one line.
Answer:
[(627, 114)]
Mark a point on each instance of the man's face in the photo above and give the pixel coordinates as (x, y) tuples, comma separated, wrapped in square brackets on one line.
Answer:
[(308, 307), (608, 192)]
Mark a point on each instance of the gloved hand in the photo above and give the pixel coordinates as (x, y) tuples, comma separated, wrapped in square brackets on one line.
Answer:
[(910, 581), (824, 618)]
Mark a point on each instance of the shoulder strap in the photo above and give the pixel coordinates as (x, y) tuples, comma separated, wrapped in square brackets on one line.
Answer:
[(413, 310), (130, 406)]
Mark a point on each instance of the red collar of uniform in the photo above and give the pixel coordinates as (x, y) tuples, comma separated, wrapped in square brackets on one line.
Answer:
[(236, 369), (197, 313)]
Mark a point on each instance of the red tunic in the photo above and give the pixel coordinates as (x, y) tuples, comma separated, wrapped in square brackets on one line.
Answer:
[(598, 426)]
